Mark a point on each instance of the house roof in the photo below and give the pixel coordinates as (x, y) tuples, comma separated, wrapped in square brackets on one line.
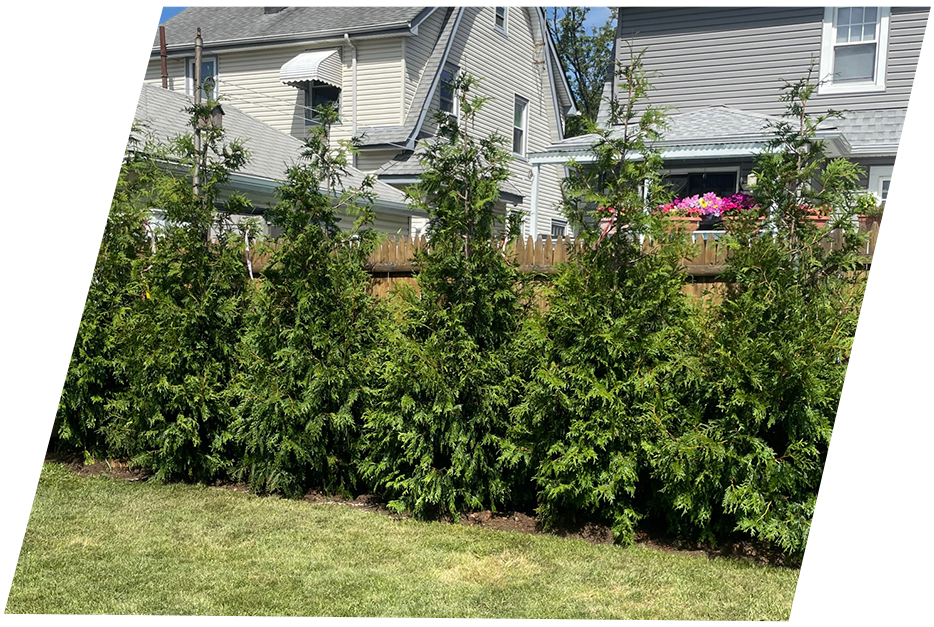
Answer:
[(407, 165), (272, 152), (25, 146), (726, 131), (250, 25), (873, 132), (234, 27), (707, 132)]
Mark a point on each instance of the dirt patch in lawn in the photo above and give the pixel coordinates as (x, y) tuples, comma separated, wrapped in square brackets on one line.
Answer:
[(755, 552)]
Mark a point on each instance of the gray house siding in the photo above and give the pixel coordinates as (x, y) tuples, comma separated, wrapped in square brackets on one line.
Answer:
[(707, 56)]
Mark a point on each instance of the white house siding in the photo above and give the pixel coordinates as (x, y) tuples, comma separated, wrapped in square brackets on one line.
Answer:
[(417, 51), (29, 203), (379, 82), (249, 80), (510, 65), (707, 56)]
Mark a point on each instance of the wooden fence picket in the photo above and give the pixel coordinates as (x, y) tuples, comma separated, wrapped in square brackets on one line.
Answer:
[(391, 261)]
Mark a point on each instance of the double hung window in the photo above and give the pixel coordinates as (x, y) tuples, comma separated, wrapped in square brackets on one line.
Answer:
[(854, 49), (520, 126)]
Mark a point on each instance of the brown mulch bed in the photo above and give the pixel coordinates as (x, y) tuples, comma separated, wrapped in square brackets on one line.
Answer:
[(755, 552)]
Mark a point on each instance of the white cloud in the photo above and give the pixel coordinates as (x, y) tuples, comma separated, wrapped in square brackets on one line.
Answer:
[(93, 44), (27, 94)]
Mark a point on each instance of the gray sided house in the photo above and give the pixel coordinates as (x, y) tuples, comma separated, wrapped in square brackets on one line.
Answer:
[(386, 69), (720, 71)]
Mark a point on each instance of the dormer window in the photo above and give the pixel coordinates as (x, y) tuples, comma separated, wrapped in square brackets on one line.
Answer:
[(854, 49), (499, 20)]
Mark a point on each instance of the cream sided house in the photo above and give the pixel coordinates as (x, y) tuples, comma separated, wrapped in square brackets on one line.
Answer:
[(386, 69), (720, 71), (43, 149)]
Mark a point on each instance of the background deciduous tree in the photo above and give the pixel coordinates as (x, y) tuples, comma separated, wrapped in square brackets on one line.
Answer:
[(586, 52)]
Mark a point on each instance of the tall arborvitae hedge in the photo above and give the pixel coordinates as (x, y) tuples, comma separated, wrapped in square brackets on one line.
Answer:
[(311, 330), (183, 335), (433, 435), (750, 457), (606, 372)]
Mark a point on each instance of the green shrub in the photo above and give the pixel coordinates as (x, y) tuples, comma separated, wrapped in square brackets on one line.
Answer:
[(605, 350), (183, 336), (445, 386), (311, 330), (750, 456)]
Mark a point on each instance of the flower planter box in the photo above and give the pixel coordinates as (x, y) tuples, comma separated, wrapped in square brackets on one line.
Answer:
[(684, 224)]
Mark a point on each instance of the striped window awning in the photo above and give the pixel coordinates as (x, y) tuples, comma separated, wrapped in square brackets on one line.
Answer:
[(318, 65)]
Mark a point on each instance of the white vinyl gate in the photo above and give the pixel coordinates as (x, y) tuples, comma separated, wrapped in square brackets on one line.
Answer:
[(27, 262)]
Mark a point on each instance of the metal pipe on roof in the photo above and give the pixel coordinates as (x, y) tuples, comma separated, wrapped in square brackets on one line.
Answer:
[(164, 57)]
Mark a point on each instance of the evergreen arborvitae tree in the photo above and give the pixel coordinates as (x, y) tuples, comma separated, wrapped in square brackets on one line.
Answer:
[(68, 366), (444, 389), (751, 455), (185, 332), (311, 330), (605, 350)]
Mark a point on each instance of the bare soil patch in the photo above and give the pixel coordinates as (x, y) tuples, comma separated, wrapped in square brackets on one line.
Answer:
[(756, 552)]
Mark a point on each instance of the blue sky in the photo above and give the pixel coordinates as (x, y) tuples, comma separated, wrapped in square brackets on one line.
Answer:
[(53, 53)]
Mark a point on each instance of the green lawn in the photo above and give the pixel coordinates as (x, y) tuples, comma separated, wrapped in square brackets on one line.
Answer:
[(96, 545)]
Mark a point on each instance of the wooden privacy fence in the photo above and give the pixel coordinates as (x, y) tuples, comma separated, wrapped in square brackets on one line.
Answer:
[(391, 263)]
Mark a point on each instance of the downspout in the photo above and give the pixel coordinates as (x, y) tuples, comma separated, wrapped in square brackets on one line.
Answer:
[(533, 211), (353, 97)]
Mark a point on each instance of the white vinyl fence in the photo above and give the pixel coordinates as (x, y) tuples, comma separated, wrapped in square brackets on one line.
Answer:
[(27, 262)]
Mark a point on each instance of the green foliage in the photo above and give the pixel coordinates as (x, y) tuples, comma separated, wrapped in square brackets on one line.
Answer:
[(183, 336), (751, 455), (601, 391), (587, 57), (68, 365), (311, 330), (433, 434)]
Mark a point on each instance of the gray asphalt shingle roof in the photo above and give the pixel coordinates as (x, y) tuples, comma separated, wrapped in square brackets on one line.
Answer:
[(25, 146), (865, 129), (232, 24), (272, 151)]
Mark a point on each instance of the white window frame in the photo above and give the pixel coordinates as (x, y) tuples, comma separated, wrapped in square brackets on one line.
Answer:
[(501, 29), (455, 103), (190, 76), (828, 39), (524, 128), (559, 224), (880, 174)]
